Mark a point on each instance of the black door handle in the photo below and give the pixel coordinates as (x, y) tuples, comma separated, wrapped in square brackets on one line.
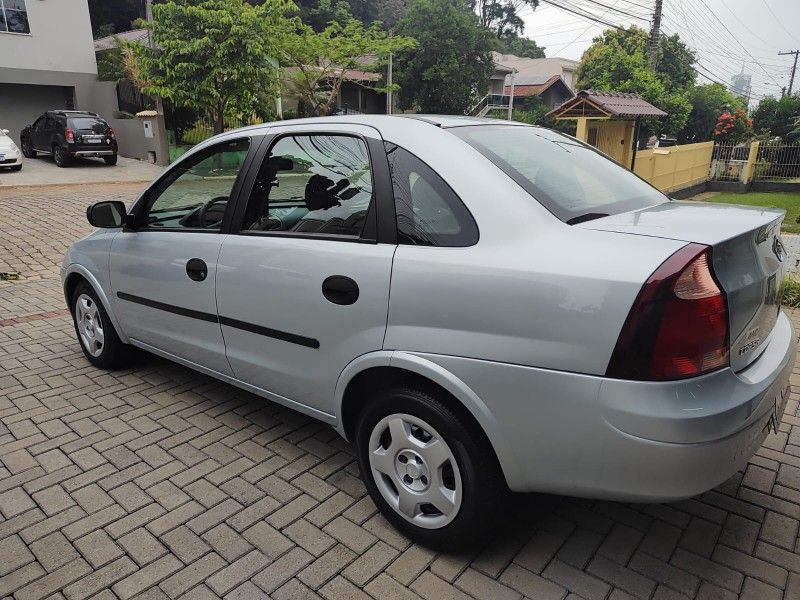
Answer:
[(196, 269), (340, 289)]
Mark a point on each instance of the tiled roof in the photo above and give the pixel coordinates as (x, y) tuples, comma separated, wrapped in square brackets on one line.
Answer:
[(610, 104), (532, 85)]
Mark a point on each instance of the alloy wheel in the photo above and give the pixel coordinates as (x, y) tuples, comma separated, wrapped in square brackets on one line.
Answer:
[(90, 325), (415, 471)]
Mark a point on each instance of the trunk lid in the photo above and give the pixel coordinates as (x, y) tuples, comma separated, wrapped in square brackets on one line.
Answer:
[(748, 257)]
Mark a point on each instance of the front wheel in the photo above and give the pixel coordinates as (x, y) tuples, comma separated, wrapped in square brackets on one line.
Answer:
[(110, 160), (98, 339), (429, 470), (27, 149)]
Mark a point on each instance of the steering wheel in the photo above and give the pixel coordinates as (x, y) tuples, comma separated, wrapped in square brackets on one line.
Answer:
[(201, 216)]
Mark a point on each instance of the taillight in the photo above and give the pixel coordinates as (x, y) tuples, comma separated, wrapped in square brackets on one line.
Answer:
[(111, 133), (69, 135), (678, 326)]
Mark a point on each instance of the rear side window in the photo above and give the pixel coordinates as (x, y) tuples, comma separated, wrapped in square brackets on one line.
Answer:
[(572, 180), (428, 211)]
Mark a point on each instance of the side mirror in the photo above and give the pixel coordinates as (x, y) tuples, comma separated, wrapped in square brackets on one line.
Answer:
[(6, 131), (106, 214)]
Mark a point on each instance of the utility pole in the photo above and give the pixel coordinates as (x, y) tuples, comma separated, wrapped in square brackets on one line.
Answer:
[(511, 98), (794, 67), (162, 155), (389, 84), (655, 32)]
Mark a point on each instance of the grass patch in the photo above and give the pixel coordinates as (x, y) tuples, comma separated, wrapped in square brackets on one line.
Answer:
[(789, 201), (790, 291)]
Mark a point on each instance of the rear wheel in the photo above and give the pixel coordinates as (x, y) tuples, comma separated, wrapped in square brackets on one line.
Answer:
[(60, 156), (110, 160), (27, 148), (429, 470), (98, 339)]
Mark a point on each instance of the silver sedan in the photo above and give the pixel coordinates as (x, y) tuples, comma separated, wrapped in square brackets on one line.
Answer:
[(480, 306)]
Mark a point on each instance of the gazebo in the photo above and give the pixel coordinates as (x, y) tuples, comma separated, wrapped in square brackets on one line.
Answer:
[(609, 121)]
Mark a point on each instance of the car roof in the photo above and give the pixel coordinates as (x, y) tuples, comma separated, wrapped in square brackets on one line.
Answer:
[(74, 113), (385, 124)]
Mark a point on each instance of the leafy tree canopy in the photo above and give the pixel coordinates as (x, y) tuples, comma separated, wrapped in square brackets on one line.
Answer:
[(778, 117), (734, 127), (212, 55), (617, 61), (451, 67), (708, 102), (501, 16), (519, 46), (319, 63), (114, 17)]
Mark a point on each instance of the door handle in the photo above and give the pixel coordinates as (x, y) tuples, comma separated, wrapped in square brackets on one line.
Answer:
[(196, 269), (340, 290)]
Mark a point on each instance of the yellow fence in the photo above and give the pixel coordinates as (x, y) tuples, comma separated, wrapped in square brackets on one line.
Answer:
[(675, 167)]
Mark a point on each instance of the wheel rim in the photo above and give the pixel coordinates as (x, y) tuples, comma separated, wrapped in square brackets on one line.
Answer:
[(90, 325), (415, 471)]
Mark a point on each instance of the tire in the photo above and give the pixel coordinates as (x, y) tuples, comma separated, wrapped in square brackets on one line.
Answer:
[(27, 148), (110, 160), (90, 318), (60, 156), (16, 168), (467, 484)]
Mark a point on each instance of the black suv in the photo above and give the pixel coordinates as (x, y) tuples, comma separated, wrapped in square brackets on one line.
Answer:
[(67, 134)]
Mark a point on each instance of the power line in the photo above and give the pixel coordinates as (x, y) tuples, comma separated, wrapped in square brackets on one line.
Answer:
[(791, 35), (617, 10)]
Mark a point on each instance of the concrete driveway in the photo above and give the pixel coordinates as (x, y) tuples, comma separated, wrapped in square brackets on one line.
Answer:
[(159, 482), (43, 171)]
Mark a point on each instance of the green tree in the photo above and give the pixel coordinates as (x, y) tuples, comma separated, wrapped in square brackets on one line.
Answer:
[(501, 16), (212, 55), (519, 46), (617, 61), (708, 102), (451, 67), (777, 117), (319, 63)]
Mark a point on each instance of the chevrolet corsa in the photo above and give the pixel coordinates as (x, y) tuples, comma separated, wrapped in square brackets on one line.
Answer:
[(480, 306)]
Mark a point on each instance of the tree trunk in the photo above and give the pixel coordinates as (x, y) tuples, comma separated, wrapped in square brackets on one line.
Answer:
[(219, 120)]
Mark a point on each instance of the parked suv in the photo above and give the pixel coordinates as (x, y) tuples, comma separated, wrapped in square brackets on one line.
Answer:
[(67, 134)]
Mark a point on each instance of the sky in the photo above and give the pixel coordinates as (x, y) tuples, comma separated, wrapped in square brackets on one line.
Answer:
[(725, 34)]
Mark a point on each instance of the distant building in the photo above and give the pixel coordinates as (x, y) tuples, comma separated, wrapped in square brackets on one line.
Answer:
[(533, 67), (740, 84)]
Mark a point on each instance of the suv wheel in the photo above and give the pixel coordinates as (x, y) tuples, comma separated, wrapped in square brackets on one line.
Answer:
[(60, 156), (98, 339), (110, 160), (27, 148), (431, 472)]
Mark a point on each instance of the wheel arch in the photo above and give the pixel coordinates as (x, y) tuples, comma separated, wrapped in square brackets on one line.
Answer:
[(76, 273), (387, 368)]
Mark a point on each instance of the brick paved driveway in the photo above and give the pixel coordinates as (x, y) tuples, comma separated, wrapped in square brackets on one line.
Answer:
[(161, 482)]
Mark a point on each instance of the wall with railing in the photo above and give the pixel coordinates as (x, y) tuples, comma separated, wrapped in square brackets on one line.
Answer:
[(762, 166), (676, 167)]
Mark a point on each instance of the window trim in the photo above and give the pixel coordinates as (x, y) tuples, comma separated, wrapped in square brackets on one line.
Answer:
[(452, 191), (373, 230), (143, 204)]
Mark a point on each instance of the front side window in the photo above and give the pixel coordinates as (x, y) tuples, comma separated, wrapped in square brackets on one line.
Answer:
[(195, 193), (428, 211), (571, 179), (14, 16), (316, 184)]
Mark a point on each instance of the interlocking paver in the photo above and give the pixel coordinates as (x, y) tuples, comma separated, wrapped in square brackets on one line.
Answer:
[(160, 482)]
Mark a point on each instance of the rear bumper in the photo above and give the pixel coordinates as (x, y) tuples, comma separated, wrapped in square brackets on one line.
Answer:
[(590, 436), (106, 152)]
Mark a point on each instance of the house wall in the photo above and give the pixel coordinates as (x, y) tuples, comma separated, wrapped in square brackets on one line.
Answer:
[(60, 39)]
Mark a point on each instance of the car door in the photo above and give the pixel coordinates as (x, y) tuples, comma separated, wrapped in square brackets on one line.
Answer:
[(303, 284), (163, 269), (38, 134)]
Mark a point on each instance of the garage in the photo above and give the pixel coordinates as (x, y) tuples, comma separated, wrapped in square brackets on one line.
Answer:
[(23, 103)]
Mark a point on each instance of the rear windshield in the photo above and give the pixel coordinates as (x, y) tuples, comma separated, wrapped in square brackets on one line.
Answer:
[(571, 179), (87, 123)]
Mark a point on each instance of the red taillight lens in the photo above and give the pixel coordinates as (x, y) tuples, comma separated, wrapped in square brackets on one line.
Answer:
[(678, 326), (111, 133), (69, 135)]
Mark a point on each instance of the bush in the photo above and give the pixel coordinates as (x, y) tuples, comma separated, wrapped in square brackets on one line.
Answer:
[(790, 291), (197, 134)]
